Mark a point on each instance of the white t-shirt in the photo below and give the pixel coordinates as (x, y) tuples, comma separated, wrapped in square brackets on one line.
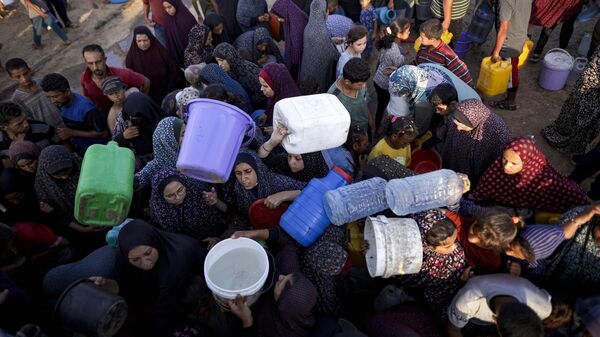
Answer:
[(472, 301)]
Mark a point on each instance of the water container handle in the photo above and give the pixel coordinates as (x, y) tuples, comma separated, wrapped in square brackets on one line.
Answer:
[(252, 128), (272, 258)]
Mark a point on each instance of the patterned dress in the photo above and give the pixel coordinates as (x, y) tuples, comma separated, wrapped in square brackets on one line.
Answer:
[(368, 18), (578, 122), (440, 273)]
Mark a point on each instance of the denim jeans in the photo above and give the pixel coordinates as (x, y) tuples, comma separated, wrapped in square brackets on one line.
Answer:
[(161, 35), (49, 21)]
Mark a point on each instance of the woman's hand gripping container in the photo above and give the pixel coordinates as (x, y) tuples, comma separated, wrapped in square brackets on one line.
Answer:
[(441, 188), (493, 77), (305, 220), (212, 140), (105, 186), (314, 122)]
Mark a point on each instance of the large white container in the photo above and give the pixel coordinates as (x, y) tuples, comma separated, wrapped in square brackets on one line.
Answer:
[(236, 266), (395, 246), (314, 122)]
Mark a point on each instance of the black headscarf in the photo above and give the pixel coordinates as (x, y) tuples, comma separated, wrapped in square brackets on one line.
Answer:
[(59, 194), (139, 105), (155, 63), (212, 20), (11, 181), (268, 182), (180, 259)]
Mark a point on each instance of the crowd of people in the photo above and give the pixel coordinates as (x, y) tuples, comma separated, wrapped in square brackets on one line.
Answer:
[(519, 256)]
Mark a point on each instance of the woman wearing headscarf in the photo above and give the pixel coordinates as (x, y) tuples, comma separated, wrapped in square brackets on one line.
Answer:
[(259, 44), (24, 156), (523, 178), (474, 140), (178, 23), (183, 99), (213, 74), (148, 57), (55, 186), (252, 13), (199, 48), (414, 85), (319, 55), (143, 114), (338, 27), (276, 84), (578, 123), (18, 198), (302, 167), (154, 268), (294, 22), (216, 23), (245, 72), (289, 309), (254, 181), (177, 205), (56, 180), (166, 142)]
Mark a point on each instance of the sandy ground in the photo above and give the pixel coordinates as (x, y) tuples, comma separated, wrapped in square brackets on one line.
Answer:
[(111, 26)]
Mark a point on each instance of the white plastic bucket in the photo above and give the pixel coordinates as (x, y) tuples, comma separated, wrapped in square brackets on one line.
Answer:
[(314, 122), (236, 266), (395, 246)]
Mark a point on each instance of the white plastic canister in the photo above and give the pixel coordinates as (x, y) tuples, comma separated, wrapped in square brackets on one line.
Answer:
[(314, 122), (395, 246)]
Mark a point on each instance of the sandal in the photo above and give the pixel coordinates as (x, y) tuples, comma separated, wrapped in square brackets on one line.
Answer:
[(535, 58), (503, 105)]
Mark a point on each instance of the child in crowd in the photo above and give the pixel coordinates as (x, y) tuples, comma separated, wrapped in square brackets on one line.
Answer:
[(357, 146), (30, 96), (368, 18), (434, 50), (391, 57), (356, 42), (351, 90), (398, 133)]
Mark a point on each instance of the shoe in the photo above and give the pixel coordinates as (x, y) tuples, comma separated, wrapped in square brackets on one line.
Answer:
[(503, 105), (535, 58), (67, 43)]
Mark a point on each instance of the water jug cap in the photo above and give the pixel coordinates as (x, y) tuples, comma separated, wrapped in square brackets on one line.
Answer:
[(343, 173)]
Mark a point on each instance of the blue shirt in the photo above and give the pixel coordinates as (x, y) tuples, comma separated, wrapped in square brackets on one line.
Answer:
[(82, 114)]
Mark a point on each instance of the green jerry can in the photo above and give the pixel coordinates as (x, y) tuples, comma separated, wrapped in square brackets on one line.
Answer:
[(105, 185)]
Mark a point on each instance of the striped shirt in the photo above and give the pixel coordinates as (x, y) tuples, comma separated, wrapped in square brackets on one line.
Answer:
[(459, 8), (445, 56), (543, 239)]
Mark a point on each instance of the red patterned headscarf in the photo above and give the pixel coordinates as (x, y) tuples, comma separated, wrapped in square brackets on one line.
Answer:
[(537, 186)]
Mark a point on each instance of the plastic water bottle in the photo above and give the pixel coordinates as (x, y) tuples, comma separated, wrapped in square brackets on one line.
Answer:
[(423, 192), (112, 237), (356, 201)]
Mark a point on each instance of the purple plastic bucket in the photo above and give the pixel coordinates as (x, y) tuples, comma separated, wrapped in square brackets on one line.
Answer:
[(555, 71), (212, 140)]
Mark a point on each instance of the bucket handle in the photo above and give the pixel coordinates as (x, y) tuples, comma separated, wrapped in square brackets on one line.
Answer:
[(251, 128), (272, 258)]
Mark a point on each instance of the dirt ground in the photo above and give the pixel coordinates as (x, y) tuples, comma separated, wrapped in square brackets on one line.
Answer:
[(111, 26)]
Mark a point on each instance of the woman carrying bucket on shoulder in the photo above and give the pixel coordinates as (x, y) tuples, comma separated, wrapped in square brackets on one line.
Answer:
[(288, 309)]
